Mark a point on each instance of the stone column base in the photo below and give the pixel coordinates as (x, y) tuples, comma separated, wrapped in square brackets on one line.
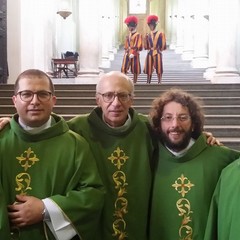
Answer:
[(88, 76), (226, 78)]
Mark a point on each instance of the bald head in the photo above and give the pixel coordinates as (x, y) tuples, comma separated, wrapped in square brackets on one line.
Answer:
[(117, 80)]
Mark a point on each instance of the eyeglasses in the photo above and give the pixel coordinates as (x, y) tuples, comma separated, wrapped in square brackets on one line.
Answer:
[(180, 118), (27, 96), (110, 96)]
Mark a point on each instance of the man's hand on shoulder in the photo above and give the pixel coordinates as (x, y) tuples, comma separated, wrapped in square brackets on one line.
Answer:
[(211, 140), (4, 121)]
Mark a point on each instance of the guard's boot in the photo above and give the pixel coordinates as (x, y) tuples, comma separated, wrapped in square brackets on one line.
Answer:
[(135, 77), (149, 77)]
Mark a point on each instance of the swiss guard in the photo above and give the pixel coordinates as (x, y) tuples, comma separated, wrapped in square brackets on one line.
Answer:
[(155, 43), (132, 47)]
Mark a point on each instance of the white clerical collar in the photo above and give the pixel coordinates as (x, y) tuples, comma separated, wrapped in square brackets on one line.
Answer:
[(182, 152), (35, 129), (124, 126)]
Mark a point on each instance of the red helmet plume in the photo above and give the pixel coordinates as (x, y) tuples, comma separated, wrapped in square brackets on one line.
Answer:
[(152, 19), (131, 20)]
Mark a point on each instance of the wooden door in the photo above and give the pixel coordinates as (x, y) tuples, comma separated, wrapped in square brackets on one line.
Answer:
[(139, 8)]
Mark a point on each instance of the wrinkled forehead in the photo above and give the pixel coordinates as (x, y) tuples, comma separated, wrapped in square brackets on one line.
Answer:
[(115, 84)]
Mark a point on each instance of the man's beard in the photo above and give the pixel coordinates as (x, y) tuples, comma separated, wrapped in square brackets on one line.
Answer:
[(178, 146)]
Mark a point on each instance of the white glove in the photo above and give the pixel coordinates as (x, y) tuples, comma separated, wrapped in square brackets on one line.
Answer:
[(131, 56)]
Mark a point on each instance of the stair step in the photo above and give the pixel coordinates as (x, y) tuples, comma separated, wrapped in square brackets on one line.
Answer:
[(230, 142), (223, 131), (143, 86), (90, 100)]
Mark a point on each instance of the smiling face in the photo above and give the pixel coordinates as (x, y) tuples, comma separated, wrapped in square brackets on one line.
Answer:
[(115, 112), (34, 113), (176, 133)]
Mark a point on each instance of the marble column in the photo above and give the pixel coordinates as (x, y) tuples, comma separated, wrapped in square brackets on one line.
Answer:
[(226, 54), (89, 36), (116, 26), (201, 34), (108, 32), (188, 31), (105, 35), (168, 20), (13, 36), (180, 21), (210, 70), (36, 37), (173, 16), (111, 18)]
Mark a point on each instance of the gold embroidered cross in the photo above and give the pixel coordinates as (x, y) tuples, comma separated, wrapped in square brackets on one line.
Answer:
[(118, 158), (27, 159), (182, 185)]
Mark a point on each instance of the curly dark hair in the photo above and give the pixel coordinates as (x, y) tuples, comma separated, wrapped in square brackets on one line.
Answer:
[(186, 100)]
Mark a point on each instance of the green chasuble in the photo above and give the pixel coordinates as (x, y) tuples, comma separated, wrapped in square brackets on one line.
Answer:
[(224, 216), (57, 164), (183, 188), (4, 223), (123, 158)]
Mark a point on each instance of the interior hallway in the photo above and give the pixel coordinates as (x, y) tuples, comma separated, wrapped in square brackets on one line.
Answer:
[(175, 71)]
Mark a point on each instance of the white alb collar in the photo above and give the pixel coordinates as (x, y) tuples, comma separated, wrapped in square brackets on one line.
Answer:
[(35, 129), (184, 151)]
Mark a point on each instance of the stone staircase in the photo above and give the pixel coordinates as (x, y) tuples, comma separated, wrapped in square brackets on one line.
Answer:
[(221, 104), (175, 70)]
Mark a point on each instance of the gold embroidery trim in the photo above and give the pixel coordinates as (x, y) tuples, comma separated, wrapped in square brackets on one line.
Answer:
[(118, 158), (23, 180), (183, 185)]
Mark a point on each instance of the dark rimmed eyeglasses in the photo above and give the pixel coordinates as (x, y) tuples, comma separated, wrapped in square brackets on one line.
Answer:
[(27, 95), (180, 118), (109, 97)]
